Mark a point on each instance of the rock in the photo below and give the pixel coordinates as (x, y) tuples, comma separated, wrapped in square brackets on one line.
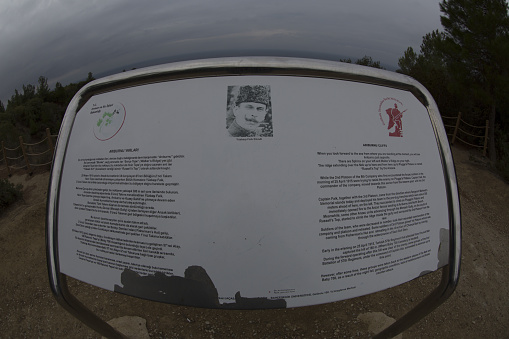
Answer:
[(132, 327), (377, 321)]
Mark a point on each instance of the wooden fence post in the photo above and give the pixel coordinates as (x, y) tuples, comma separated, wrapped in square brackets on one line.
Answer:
[(456, 128), (50, 143), (5, 159), (25, 154), (486, 138)]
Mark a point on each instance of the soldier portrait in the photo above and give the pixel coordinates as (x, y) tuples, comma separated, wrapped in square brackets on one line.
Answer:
[(249, 111)]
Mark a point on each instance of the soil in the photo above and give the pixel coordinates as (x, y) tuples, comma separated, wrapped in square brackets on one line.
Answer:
[(478, 307)]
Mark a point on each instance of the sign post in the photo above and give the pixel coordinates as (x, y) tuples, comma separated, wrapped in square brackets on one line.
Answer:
[(322, 181)]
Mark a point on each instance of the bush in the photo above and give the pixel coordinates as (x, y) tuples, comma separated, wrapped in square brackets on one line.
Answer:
[(9, 193), (503, 154), (503, 163)]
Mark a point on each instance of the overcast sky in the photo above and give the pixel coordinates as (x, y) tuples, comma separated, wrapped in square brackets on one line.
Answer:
[(64, 40)]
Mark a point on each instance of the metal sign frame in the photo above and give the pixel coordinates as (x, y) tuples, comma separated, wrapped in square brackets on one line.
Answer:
[(242, 66)]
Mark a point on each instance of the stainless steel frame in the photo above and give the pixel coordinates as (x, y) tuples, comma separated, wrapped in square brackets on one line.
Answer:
[(254, 66)]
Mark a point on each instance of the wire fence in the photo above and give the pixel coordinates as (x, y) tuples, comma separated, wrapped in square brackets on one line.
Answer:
[(474, 136), (28, 156), (32, 155)]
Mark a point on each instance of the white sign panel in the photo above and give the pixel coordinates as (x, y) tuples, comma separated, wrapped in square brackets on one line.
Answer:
[(251, 191)]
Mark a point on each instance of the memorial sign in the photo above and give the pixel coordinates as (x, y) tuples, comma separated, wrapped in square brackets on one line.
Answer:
[(259, 187)]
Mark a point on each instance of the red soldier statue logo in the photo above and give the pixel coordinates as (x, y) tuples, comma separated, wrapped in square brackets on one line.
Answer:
[(394, 116), (395, 121)]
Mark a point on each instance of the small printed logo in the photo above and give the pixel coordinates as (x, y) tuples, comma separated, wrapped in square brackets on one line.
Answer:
[(109, 120), (391, 112)]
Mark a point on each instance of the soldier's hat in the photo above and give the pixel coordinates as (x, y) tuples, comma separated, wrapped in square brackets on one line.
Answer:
[(258, 93)]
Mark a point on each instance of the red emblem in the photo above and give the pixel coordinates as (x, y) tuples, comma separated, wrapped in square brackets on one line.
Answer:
[(392, 114)]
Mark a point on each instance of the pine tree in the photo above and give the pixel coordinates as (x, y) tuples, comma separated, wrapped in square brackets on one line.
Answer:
[(476, 51), (43, 88), (408, 62), (429, 68), (364, 61)]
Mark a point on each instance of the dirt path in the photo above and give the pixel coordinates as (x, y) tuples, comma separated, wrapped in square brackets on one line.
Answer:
[(478, 308)]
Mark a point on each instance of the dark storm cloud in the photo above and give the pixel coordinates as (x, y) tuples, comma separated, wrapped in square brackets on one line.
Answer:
[(65, 40)]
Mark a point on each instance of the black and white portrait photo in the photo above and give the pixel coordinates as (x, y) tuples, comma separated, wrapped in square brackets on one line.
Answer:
[(249, 111)]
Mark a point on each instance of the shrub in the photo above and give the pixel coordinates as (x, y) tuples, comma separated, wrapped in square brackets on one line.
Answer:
[(503, 154), (9, 193), (503, 163)]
